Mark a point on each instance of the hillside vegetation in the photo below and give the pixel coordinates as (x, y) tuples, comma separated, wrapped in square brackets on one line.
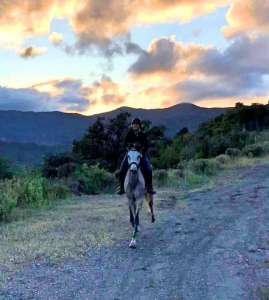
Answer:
[(187, 159)]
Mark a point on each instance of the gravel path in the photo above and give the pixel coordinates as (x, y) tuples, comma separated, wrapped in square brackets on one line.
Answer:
[(215, 248)]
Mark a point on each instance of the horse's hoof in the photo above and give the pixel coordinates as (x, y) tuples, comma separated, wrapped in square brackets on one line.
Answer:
[(152, 219), (132, 244)]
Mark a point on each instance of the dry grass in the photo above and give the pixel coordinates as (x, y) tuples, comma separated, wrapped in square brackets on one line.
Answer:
[(69, 229), (247, 162)]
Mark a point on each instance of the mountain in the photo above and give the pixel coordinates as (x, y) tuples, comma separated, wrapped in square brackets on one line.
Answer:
[(58, 128), (28, 153), (26, 137)]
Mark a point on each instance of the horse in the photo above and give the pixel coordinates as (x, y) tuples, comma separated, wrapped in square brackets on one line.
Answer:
[(134, 186)]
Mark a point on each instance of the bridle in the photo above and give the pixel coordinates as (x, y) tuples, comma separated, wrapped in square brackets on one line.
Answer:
[(134, 163)]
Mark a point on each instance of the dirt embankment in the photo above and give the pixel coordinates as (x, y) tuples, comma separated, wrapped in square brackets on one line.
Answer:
[(210, 244)]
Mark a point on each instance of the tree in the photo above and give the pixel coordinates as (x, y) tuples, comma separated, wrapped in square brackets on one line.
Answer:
[(103, 142), (183, 131), (92, 146)]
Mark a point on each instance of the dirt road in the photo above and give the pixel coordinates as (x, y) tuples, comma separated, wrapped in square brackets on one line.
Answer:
[(211, 245)]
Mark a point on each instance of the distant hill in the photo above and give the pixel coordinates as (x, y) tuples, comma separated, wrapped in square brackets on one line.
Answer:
[(28, 154), (58, 128)]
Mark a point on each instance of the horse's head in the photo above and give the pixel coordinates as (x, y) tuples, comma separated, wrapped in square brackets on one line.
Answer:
[(134, 158)]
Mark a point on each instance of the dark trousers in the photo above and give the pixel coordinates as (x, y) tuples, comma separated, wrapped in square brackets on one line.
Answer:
[(145, 166)]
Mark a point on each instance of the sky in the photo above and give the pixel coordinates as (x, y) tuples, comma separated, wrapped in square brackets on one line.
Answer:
[(92, 56)]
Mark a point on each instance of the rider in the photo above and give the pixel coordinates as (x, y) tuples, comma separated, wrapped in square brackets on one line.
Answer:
[(135, 135)]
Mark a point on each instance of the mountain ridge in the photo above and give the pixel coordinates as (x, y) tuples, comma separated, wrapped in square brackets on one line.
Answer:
[(60, 128)]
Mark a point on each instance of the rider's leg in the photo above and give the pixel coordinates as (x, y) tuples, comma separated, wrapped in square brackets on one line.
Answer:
[(122, 174), (147, 172)]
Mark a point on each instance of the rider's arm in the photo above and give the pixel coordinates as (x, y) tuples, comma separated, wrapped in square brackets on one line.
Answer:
[(145, 145)]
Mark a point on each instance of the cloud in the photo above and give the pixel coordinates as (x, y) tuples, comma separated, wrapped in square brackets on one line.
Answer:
[(163, 55), (98, 24), (247, 17), (22, 19), (115, 18), (167, 58), (197, 73), (64, 95), (32, 51), (56, 38), (245, 58), (106, 92), (237, 71), (69, 95), (23, 100)]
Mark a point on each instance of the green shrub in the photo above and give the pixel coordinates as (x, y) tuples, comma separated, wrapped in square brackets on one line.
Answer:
[(223, 159), (174, 177), (233, 152), (29, 189), (256, 150), (192, 179), (160, 177), (205, 166), (56, 190), (94, 180), (9, 197), (37, 190), (5, 169), (58, 165), (33, 193)]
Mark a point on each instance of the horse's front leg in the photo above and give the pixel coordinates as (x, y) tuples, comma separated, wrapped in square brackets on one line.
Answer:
[(132, 221), (135, 217), (149, 199)]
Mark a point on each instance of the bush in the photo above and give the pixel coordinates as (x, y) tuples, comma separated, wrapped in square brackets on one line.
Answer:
[(29, 190), (56, 190), (33, 191), (191, 179), (233, 152), (161, 177), (58, 165), (205, 166), (9, 197), (36, 190), (94, 180), (256, 150), (223, 159), (5, 169)]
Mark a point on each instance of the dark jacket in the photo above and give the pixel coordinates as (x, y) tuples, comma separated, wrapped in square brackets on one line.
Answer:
[(136, 137)]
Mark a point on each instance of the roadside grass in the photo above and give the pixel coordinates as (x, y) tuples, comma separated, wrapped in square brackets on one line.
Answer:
[(69, 229), (202, 174), (66, 230)]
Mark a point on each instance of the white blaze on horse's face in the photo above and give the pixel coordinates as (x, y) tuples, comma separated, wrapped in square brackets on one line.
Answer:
[(134, 158)]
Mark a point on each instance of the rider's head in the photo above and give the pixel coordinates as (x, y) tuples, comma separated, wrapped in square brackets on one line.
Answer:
[(136, 124)]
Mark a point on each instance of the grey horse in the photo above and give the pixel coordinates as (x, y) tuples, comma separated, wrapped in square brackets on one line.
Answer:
[(134, 186)]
